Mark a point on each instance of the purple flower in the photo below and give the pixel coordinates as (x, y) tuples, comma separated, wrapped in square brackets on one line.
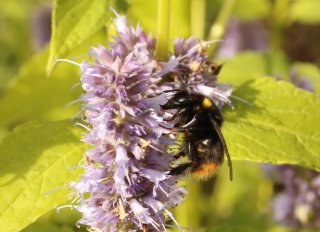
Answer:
[(297, 191), (126, 185), (189, 68)]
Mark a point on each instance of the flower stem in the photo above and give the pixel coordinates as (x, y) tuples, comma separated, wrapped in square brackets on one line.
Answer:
[(278, 19), (197, 12), (163, 29), (219, 27)]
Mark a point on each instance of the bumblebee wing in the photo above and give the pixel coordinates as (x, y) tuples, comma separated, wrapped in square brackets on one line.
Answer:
[(219, 132)]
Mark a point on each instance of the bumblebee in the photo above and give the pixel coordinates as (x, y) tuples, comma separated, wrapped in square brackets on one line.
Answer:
[(200, 120)]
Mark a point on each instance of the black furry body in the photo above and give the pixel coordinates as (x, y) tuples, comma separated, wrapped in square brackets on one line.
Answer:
[(200, 121)]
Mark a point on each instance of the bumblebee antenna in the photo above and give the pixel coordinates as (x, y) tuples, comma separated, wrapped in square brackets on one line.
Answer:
[(225, 148)]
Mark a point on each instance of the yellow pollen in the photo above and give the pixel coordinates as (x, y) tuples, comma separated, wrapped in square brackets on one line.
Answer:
[(194, 66), (206, 103), (144, 143)]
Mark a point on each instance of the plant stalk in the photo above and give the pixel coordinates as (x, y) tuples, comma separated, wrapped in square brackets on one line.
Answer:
[(163, 29), (197, 14), (219, 27), (278, 20)]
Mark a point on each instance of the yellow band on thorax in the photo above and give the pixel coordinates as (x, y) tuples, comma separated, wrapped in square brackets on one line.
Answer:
[(206, 103)]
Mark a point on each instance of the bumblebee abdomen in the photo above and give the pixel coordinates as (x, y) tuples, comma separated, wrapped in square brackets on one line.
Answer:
[(203, 171)]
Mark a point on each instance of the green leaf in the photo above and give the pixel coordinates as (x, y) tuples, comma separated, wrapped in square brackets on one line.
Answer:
[(31, 96), (236, 70), (250, 65), (280, 126), (48, 227), (37, 160), (15, 36), (73, 22), (305, 11), (56, 220)]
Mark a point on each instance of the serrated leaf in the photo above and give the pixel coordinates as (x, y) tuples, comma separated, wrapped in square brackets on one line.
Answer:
[(73, 22), (305, 11), (31, 96), (36, 162), (281, 125)]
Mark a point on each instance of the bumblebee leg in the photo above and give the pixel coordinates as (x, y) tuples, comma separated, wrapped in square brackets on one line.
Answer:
[(171, 118), (190, 123), (178, 129), (173, 90), (175, 115), (179, 154), (199, 134), (167, 128), (180, 169)]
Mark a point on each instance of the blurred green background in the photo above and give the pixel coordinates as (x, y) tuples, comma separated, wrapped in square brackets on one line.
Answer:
[(263, 37)]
